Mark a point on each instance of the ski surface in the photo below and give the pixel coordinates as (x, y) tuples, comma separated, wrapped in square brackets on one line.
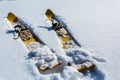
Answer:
[(32, 42), (69, 43)]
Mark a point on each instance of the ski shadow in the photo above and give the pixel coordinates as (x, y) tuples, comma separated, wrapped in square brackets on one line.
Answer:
[(99, 59), (31, 55), (45, 27), (79, 56), (29, 26), (10, 31), (59, 19), (96, 74)]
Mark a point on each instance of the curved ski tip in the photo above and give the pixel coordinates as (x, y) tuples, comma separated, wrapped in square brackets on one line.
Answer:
[(50, 15), (49, 11), (11, 18), (9, 14)]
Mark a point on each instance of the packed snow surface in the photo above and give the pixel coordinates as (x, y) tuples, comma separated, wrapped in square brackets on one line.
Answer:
[(94, 23)]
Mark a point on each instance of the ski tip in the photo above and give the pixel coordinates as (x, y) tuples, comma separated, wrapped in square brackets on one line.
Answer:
[(11, 18), (49, 14), (48, 11)]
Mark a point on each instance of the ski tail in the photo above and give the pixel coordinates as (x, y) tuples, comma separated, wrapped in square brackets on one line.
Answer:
[(12, 18), (47, 68), (50, 15)]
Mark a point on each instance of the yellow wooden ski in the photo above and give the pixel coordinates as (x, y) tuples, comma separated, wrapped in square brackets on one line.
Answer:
[(28, 38), (66, 39)]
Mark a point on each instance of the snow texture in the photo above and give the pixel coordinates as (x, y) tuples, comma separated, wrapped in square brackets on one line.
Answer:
[(43, 57), (94, 23)]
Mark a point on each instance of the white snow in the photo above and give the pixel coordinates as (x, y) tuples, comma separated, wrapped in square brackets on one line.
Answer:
[(94, 23), (43, 57)]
